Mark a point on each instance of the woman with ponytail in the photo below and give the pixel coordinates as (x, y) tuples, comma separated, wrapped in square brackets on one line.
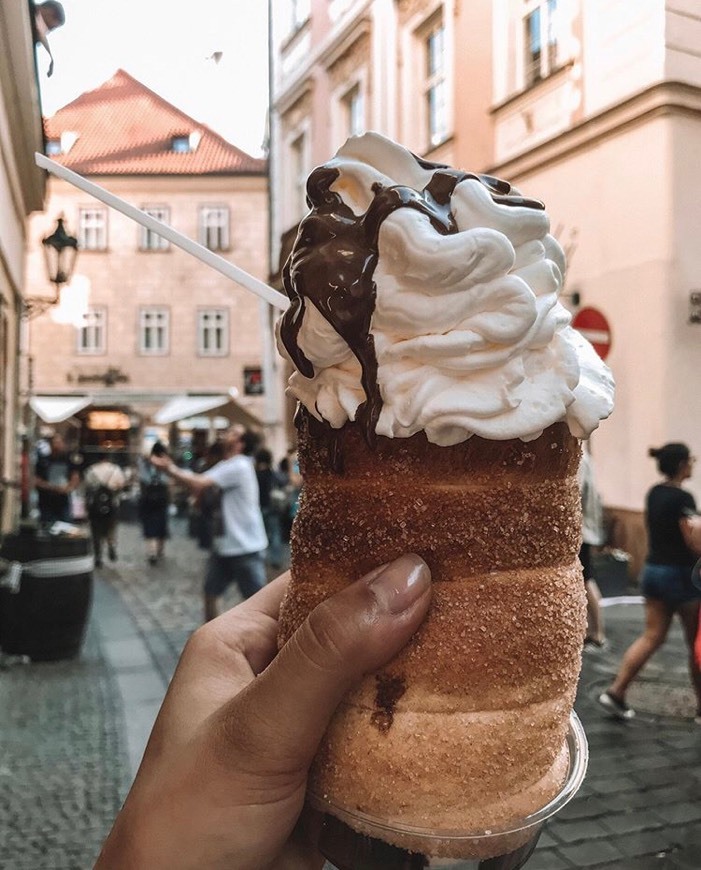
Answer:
[(674, 545)]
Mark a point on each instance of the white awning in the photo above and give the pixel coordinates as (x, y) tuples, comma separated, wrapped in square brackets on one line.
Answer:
[(183, 407), (56, 409)]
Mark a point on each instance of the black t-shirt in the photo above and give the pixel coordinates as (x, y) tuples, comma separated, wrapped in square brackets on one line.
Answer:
[(666, 505), (268, 479), (56, 469)]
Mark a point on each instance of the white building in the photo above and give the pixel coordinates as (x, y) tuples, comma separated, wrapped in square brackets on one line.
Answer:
[(593, 107)]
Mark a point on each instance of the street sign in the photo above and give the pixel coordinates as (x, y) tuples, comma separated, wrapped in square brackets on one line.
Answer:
[(253, 381), (595, 328)]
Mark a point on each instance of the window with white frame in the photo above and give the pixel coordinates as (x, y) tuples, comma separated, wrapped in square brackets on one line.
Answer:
[(214, 227), (213, 332), (540, 41), (354, 110), (298, 178), (435, 89), (150, 240), (92, 228), (154, 331), (92, 335)]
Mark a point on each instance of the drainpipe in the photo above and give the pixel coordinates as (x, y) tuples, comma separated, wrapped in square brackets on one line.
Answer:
[(268, 314)]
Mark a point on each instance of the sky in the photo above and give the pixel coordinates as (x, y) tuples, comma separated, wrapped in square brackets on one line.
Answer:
[(167, 45)]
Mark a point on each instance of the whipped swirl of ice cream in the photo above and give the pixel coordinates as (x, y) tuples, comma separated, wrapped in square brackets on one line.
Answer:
[(426, 299)]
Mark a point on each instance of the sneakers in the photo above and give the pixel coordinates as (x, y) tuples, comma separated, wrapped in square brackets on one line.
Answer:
[(616, 707), (591, 645)]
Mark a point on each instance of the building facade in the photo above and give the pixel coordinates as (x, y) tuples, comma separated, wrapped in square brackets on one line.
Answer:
[(21, 192), (593, 107), (160, 325)]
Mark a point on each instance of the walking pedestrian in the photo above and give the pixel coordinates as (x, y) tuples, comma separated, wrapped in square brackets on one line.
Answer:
[(104, 480), (154, 502), (56, 476), (666, 581), (274, 503), (205, 505), (240, 542), (592, 536)]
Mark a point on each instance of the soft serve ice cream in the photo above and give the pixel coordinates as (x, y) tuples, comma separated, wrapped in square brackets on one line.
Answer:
[(425, 299)]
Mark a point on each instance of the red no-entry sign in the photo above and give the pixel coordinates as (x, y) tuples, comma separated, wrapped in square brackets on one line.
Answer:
[(595, 328)]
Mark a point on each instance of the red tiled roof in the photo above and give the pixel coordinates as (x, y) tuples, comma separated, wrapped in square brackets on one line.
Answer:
[(123, 128)]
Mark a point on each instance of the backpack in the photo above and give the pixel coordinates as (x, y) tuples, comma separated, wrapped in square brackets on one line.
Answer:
[(155, 494), (100, 501)]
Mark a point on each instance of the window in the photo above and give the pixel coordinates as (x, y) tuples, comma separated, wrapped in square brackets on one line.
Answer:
[(92, 336), (154, 331), (213, 332), (355, 111), (185, 143), (53, 147), (434, 86), (214, 227), (180, 144), (539, 39), (148, 239), (92, 229)]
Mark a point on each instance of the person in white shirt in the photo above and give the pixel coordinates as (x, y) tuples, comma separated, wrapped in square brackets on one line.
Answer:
[(104, 480), (240, 541), (593, 535)]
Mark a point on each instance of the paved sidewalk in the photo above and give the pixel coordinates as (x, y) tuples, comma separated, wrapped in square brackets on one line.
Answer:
[(639, 807), (72, 733)]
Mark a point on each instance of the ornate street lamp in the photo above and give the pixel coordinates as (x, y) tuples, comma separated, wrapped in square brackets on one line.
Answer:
[(60, 253)]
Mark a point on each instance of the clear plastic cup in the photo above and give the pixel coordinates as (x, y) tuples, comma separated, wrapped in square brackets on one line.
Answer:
[(337, 832)]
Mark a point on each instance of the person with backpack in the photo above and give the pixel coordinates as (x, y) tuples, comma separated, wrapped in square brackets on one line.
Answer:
[(104, 480), (154, 505)]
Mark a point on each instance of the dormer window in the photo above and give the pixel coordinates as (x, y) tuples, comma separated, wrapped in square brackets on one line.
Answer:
[(180, 144), (185, 143), (61, 144)]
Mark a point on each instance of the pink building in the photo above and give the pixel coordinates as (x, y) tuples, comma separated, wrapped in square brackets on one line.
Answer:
[(165, 336), (593, 107)]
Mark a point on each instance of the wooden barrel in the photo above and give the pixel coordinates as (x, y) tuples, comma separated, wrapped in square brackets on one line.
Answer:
[(44, 609)]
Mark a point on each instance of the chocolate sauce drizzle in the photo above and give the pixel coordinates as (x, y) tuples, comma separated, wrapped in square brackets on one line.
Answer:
[(388, 690), (335, 256)]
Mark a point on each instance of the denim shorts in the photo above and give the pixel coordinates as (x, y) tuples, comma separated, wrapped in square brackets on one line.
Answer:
[(247, 571), (669, 583)]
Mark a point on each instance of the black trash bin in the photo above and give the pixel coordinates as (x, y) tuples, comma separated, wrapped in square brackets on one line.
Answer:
[(45, 613)]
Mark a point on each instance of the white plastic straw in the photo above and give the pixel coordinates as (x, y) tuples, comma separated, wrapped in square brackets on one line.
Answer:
[(209, 258)]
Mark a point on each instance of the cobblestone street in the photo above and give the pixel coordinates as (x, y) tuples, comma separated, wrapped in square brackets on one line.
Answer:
[(72, 733)]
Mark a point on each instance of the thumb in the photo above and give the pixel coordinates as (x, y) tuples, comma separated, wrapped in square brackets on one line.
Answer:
[(282, 715)]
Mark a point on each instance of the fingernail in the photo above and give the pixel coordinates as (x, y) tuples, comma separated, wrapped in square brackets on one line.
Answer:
[(401, 583)]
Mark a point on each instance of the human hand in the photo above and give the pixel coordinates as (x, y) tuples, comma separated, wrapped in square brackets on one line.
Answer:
[(224, 774), (161, 460)]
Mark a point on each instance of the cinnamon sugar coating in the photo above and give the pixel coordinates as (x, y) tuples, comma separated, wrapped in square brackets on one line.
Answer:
[(489, 678)]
